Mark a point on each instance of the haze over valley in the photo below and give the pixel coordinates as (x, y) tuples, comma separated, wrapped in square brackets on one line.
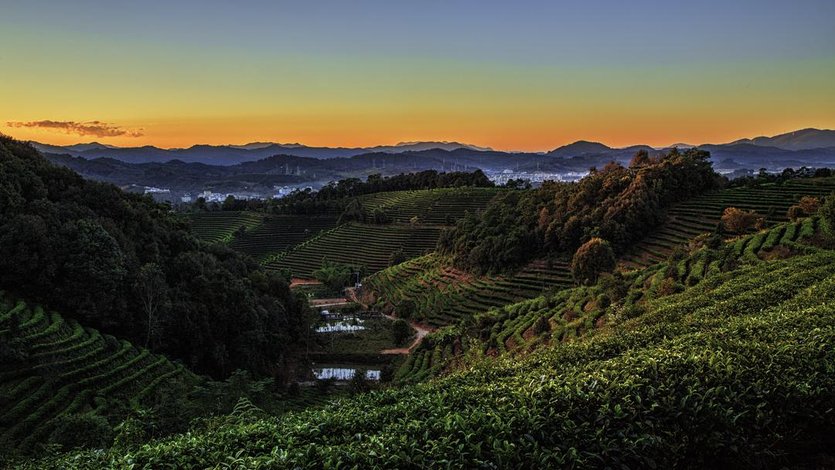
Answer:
[(263, 170)]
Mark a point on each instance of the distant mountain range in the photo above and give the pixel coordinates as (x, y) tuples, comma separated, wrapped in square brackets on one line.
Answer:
[(260, 167), (804, 139), (234, 154)]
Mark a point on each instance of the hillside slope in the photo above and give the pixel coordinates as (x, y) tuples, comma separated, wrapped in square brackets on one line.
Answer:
[(125, 265), (357, 245), (54, 368), (736, 371), (560, 316)]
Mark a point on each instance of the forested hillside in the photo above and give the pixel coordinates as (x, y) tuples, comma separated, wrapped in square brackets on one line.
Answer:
[(618, 204), (122, 264)]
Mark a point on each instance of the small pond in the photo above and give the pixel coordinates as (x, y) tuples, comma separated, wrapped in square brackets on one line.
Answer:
[(343, 373), (341, 326)]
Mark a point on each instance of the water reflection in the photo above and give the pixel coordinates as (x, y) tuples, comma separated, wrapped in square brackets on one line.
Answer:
[(349, 324), (343, 373)]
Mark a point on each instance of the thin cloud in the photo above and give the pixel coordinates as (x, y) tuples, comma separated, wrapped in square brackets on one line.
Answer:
[(82, 128)]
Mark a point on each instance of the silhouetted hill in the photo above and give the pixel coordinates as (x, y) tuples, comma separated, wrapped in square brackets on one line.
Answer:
[(581, 147), (234, 154), (804, 139)]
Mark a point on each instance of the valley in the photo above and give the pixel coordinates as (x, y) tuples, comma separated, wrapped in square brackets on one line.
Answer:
[(394, 235), (396, 312)]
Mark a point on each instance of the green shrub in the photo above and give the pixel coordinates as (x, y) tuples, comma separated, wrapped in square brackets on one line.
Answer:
[(591, 260), (400, 331), (827, 214), (75, 431)]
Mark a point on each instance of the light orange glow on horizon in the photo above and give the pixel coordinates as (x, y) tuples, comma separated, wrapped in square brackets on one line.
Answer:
[(181, 94)]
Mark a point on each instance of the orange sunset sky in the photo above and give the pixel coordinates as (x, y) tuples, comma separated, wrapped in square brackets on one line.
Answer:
[(373, 73)]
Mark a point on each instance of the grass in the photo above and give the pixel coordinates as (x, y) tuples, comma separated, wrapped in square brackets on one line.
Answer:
[(376, 337)]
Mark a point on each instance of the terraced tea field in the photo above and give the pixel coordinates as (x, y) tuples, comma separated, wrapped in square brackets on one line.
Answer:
[(702, 214), (570, 313), (748, 351), (279, 233), (65, 367), (357, 244), (220, 227), (441, 206), (443, 295), (263, 235)]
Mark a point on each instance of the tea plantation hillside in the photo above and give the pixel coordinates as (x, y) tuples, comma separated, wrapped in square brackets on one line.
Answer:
[(564, 315), (737, 370), (277, 234), (221, 226), (411, 220), (440, 294), (443, 294), (702, 214), (357, 245), (54, 368), (256, 234), (442, 206)]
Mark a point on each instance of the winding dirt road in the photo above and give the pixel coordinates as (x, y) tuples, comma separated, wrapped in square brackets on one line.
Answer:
[(421, 332)]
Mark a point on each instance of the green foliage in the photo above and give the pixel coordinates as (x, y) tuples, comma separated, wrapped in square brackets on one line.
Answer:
[(335, 196), (133, 431), (400, 331), (736, 371), (335, 275), (406, 308), (74, 431), (592, 259), (827, 214), (359, 382), (80, 247), (354, 212), (541, 326), (616, 203)]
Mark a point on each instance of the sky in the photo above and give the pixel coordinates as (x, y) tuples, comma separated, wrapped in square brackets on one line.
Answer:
[(521, 75)]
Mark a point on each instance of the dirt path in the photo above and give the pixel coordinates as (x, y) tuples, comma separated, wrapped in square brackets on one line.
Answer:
[(421, 332)]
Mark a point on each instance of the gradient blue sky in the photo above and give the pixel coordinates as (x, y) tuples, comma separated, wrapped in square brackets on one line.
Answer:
[(514, 75)]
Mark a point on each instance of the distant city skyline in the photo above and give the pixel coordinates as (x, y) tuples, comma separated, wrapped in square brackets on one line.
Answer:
[(526, 76)]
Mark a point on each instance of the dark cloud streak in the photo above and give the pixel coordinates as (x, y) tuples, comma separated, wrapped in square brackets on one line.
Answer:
[(82, 128)]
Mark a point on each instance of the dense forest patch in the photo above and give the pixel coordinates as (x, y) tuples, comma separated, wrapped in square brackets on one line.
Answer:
[(123, 264)]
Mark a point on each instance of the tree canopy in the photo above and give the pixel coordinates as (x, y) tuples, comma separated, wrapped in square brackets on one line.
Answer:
[(619, 204), (93, 252)]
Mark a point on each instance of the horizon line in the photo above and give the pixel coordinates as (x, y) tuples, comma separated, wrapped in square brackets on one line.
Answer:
[(476, 147)]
